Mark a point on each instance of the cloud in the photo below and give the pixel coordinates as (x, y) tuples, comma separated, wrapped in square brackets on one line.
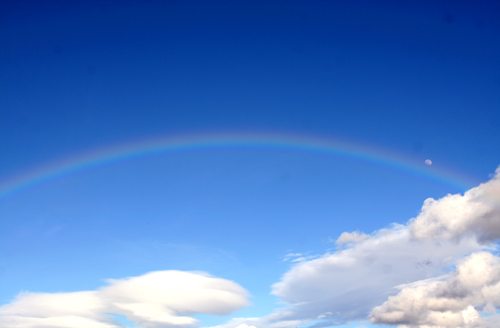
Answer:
[(450, 303), (347, 284), (273, 320), (53, 322), (40, 310), (298, 257), (396, 275), (156, 299), (160, 297), (244, 325), (349, 238), (350, 282), (476, 213)]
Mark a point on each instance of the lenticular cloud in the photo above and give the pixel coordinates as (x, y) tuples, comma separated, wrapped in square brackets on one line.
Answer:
[(156, 299)]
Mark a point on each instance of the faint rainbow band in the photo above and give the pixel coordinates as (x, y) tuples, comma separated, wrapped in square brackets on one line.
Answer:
[(122, 152)]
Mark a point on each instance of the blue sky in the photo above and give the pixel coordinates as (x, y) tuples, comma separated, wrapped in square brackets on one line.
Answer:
[(288, 185)]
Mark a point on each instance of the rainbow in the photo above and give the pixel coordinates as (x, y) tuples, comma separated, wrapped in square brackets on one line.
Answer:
[(123, 152)]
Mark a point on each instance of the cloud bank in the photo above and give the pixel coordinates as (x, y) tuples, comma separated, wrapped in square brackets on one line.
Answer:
[(437, 270), (361, 279), (156, 299)]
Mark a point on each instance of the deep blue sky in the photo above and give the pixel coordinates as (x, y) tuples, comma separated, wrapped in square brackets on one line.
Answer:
[(409, 76), (418, 78)]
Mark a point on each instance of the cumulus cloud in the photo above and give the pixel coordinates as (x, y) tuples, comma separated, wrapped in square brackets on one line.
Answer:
[(413, 258), (453, 302), (346, 285), (475, 213), (156, 299)]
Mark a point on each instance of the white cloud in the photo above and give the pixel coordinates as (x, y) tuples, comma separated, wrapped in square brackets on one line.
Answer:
[(346, 285), (160, 297), (395, 274), (244, 325), (53, 322), (450, 303), (298, 257), (349, 238), (475, 213), (85, 304), (274, 320), (41, 310), (156, 299), (351, 282)]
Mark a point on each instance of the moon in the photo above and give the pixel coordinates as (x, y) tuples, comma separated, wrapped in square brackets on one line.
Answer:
[(428, 162)]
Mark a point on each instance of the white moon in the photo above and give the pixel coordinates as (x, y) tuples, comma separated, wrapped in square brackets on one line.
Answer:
[(428, 162)]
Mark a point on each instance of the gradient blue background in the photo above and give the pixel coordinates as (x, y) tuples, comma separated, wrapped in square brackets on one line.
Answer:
[(420, 78)]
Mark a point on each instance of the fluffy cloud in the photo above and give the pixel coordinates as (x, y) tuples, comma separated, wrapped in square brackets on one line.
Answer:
[(349, 238), (156, 299), (476, 213), (348, 284), (43, 310), (449, 303)]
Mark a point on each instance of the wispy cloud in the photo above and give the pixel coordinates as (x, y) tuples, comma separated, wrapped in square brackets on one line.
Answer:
[(298, 257)]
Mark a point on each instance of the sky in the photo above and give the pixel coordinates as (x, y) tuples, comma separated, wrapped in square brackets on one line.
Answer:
[(249, 164)]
